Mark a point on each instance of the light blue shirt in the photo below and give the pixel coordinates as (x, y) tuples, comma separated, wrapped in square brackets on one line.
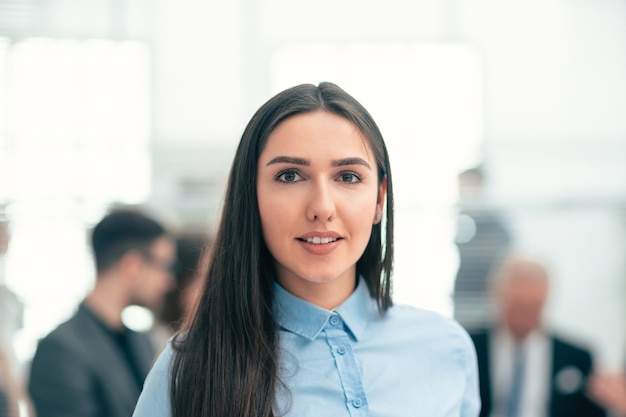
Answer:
[(354, 362)]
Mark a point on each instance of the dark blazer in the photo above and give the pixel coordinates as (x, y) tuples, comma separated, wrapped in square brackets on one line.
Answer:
[(78, 371), (569, 362)]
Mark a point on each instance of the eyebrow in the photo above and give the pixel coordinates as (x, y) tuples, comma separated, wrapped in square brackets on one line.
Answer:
[(289, 160), (351, 161), (306, 162)]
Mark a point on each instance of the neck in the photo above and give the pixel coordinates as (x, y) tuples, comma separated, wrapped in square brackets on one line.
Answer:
[(107, 303), (520, 338), (327, 295)]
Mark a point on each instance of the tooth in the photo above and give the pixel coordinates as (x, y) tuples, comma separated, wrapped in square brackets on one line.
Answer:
[(320, 240)]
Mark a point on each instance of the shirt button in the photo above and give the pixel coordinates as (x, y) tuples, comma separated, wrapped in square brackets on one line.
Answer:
[(357, 403), (341, 350), (334, 320)]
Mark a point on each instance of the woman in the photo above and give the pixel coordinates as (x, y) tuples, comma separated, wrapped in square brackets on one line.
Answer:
[(296, 317)]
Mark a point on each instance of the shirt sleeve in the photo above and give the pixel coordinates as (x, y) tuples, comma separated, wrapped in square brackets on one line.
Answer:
[(471, 398), (154, 400)]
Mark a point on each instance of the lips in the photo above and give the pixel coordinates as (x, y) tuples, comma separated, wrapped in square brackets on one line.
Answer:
[(320, 243)]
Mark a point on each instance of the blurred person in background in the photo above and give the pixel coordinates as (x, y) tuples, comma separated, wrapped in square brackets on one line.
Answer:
[(93, 365), (482, 238), (180, 300), (9, 390), (12, 387), (525, 369), (609, 389)]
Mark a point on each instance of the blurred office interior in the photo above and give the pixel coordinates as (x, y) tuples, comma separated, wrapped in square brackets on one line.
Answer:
[(142, 102)]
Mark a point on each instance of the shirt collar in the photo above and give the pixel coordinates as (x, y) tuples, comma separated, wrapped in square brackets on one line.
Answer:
[(307, 320), (507, 339)]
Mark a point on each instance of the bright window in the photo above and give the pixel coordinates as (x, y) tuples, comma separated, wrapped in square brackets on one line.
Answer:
[(74, 137)]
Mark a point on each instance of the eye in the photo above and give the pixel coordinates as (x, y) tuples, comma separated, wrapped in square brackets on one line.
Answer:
[(288, 176), (349, 177)]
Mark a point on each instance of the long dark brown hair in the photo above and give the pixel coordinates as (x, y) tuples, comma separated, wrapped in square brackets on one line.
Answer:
[(226, 360)]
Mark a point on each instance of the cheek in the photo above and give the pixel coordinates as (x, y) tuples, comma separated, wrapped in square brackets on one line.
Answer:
[(360, 209), (274, 215)]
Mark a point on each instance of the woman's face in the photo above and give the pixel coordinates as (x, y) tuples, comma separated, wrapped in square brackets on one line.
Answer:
[(318, 195)]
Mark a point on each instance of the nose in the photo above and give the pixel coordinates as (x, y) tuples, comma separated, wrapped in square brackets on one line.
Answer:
[(321, 203)]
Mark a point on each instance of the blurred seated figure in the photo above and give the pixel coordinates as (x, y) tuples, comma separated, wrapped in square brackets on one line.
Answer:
[(12, 389), (525, 370), (9, 390), (179, 301), (482, 238), (93, 365), (609, 389), (11, 321)]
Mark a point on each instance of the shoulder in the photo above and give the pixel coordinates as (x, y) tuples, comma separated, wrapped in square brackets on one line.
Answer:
[(61, 357), (81, 324), (161, 366), (430, 327), (66, 334), (479, 335), (428, 319), (155, 398), (565, 346), (165, 356), (570, 358)]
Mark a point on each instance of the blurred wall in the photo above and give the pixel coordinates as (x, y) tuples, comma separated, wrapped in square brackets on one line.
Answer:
[(552, 133), (554, 100)]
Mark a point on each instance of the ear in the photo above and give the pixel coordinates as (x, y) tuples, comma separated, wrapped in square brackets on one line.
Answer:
[(380, 201), (130, 263)]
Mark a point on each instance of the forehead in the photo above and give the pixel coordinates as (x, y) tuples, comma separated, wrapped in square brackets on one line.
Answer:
[(316, 134), (525, 288)]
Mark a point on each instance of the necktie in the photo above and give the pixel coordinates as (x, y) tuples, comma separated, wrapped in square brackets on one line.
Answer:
[(517, 381)]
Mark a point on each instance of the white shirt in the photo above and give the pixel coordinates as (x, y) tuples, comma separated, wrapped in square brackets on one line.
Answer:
[(537, 349)]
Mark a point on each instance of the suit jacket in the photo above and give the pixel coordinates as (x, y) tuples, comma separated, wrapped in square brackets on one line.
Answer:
[(566, 357), (79, 371)]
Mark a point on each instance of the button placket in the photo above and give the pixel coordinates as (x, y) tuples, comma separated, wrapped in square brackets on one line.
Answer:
[(347, 368)]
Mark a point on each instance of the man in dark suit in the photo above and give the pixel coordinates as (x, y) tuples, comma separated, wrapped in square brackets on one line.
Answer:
[(93, 365), (525, 370)]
